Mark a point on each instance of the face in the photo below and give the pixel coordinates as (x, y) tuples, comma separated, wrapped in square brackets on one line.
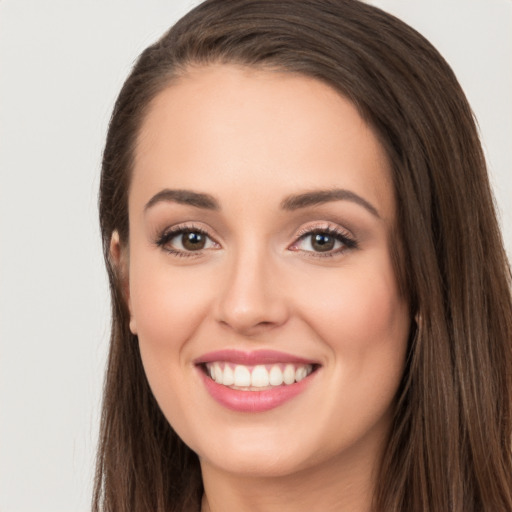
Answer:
[(259, 272)]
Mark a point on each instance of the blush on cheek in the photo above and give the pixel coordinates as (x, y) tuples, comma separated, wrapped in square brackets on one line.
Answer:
[(167, 322), (166, 305), (364, 315)]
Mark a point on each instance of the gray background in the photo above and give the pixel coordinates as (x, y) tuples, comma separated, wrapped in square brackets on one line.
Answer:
[(62, 63)]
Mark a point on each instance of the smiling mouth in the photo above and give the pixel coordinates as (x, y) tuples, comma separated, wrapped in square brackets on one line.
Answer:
[(257, 377)]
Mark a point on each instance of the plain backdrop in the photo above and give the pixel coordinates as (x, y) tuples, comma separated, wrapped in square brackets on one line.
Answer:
[(62, 63)]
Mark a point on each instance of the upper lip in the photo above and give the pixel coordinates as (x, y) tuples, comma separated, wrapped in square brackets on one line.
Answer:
[(251, 358)]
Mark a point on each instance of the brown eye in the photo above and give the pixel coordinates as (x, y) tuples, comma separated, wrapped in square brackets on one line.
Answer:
[(322, 242), (193, 241), (185, 241)]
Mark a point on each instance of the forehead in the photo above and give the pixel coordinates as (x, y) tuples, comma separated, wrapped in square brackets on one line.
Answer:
[(221, 127)]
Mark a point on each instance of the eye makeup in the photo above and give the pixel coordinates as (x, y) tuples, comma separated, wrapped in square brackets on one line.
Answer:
[(323, 240), (318, 240), (185, 240)]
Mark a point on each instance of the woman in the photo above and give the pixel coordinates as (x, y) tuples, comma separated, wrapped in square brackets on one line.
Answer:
[(311, 301)]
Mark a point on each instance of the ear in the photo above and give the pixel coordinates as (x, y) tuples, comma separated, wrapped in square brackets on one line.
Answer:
[(120, 262)]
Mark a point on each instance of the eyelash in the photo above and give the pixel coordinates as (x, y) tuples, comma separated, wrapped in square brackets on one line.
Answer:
[(339, 235), (166, 236)]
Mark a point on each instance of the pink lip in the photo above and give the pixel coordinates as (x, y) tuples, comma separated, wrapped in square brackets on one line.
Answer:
[(252, 358), (252, 401)]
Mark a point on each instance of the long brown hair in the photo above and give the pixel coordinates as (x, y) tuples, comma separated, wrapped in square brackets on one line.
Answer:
[(450, 446)]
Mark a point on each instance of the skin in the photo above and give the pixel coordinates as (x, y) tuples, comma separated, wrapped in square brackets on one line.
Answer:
[(251, 138)]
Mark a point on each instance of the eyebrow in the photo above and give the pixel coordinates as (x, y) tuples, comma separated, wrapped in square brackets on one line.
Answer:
[(186, 197), (290, 203), (318, 197)]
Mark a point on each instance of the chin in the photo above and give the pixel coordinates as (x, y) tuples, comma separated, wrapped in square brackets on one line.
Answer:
[(259, 461)]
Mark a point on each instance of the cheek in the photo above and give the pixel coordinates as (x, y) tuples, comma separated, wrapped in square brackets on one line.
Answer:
[(358, 307), (167, 304), (365, 323)]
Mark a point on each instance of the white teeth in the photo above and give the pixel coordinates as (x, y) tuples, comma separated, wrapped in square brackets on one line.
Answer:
[(259, 376), (300, 374), (275, 376), (229, 376), (218, 374), (289, 374), (242, 376)]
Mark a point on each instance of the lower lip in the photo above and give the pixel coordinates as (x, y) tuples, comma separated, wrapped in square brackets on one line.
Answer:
[(253, 401)]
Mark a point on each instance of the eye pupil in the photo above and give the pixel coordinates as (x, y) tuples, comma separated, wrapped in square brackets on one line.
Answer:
[(193, 241), (322, 242)]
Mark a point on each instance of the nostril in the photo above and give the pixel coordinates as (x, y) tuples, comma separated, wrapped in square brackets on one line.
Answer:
[(250, 299), (249, 329), (249, 319)]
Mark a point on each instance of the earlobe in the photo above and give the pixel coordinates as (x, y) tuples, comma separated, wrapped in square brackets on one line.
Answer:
[(119, 260)]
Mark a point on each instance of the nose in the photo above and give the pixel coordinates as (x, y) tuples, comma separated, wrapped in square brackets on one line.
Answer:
[(251, 299)]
